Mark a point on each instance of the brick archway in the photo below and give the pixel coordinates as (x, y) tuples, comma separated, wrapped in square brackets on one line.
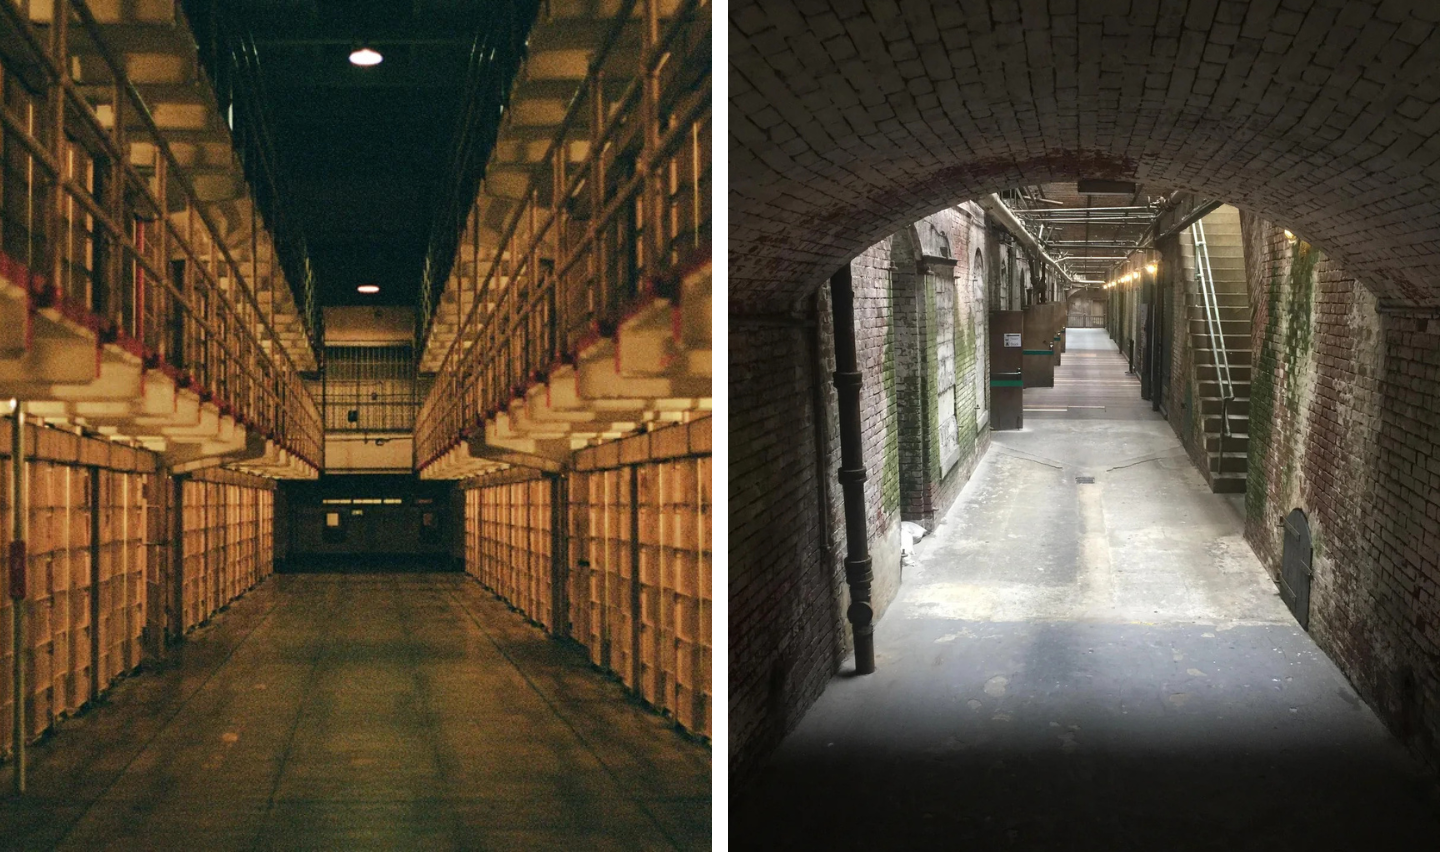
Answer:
[(848, 123)]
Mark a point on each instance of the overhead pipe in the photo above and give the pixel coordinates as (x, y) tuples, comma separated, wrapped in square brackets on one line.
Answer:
[(852, 472), (1002, 214)]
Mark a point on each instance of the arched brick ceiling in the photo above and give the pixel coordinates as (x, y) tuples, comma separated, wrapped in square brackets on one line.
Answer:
[(849, 119)]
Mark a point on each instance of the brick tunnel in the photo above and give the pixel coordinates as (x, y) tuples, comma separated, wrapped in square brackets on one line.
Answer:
[(355, 388), (1147, 325)]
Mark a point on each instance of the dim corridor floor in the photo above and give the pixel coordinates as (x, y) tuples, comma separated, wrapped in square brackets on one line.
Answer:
[(1096, 666), (365, 711)]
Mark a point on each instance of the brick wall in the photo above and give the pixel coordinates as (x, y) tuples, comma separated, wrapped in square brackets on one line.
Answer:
[(788, 596), (1345, 425), (1177, 272), (1182, 407), (786, 617), (912, 328)]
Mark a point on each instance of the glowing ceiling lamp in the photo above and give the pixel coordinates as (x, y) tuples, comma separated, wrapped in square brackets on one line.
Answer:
[(1150, 268), (368, 288), (1289, 235), (365, 57)]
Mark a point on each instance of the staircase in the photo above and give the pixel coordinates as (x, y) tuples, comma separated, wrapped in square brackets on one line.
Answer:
[(1218, 310)]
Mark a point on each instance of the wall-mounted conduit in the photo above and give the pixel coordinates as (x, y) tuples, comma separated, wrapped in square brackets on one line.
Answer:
[(852, 472)]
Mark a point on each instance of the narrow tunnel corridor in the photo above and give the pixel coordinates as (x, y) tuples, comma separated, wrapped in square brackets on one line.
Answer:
[(1086, 654)]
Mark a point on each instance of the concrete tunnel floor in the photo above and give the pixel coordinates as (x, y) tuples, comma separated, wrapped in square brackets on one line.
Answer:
[(365, 712), (1090, 667)]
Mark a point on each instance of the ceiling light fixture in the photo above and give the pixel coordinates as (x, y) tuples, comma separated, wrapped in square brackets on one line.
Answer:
[(1150, 268), (369, 288), (365, 57)]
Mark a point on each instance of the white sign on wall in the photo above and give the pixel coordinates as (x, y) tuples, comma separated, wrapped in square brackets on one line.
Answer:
[(1012, 341)]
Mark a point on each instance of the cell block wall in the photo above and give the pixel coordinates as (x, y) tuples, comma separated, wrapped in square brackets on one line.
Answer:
[(509, 544), (673, 502), (603, 561), (85, 603), (227, 523), (639, 582), (120, 575)]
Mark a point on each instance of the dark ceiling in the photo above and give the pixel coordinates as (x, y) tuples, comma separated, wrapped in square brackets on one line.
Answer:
[(363, 154)]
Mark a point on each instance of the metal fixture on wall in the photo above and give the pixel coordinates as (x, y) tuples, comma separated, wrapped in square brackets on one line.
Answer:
[(852, 472), (19, 511)]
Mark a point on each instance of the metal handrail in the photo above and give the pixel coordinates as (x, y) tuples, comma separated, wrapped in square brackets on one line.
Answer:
[(483, 80), (175, 170), (501, 347), (572, 115), (1205, 278), (217, 337)]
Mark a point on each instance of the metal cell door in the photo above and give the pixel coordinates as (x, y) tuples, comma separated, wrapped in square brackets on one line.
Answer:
[(1295, 567)]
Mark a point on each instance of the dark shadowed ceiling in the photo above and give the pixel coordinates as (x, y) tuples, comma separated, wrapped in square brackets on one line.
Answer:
[(363, 155)]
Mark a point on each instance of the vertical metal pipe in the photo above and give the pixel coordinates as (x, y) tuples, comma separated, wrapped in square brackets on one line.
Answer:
[(19, 508), (852, 472), (650, 124), (635, 592), (601, 298), (175, 532), (96, 506), (560, 554), (1157, 341)]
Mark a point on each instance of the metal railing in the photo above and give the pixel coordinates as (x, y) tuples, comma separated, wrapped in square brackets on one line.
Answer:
[(103, 218), (575, 253), (495, 56), (231, 58), (1205, 279)]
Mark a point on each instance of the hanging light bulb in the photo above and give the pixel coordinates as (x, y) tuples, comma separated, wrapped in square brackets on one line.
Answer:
[(1150, 268), (365, 56)]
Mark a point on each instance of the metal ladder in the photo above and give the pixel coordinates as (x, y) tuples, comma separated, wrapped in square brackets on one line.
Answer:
[(1205, 278)]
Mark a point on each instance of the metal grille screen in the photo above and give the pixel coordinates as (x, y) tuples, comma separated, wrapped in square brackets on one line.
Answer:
[(370, 389)]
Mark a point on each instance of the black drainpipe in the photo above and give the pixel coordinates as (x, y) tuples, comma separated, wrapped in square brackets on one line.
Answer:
[(852, 472)]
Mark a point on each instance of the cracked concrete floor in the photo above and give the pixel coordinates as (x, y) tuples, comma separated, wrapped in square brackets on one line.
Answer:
[(1089, 667)]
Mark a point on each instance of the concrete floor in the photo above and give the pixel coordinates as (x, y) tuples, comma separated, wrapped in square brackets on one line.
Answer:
[(1090, 667), (366, 712)]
